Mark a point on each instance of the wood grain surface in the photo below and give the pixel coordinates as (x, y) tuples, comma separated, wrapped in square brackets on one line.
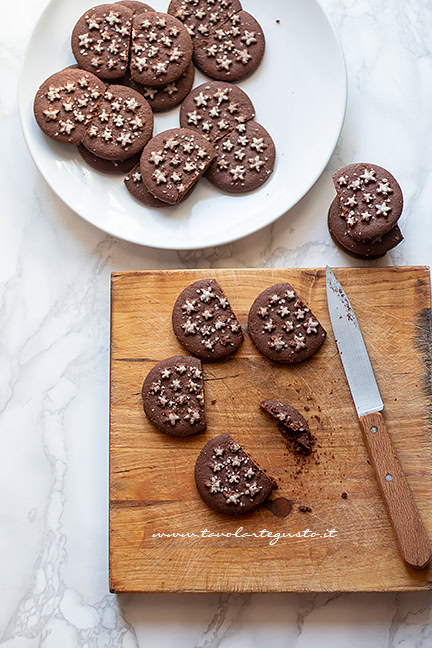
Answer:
[(152, 487)]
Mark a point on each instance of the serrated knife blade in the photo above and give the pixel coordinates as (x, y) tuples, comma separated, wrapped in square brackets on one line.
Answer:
[(352, 349)]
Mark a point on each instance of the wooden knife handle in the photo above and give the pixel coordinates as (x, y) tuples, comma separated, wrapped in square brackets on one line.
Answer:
[(407, 525)]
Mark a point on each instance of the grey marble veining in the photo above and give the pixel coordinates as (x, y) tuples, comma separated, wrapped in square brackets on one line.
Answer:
[(54, 279)]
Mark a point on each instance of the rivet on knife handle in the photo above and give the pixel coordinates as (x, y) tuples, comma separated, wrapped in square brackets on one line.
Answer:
[(410, 533)]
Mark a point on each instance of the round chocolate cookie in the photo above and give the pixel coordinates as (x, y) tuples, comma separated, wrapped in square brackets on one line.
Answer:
[(233, 51), (204, 321), (282, 327), (168, 96), (202, 17), (135, 6), (173, 396), (65, 103), (161, 49), (137, 188), (101, 39), (173, 161), (370, 198), (228, 480), (245, 159), (117, 167), (339, 232), (122, 125), (292, 425), (215, 108)]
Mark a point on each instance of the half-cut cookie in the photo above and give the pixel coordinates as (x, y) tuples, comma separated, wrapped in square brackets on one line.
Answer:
[(161, 49), (371, 200), (215, 108), (101, 39), (122, 125), (245, 160), (173, 161), (228, 480), (282, 326), (204, 321), (292, 425), (173, 396), (138, 190), (65, 104), (202, 17), (233, 51)]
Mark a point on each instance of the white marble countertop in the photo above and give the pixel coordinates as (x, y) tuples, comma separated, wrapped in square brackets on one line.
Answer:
[(54, 356)]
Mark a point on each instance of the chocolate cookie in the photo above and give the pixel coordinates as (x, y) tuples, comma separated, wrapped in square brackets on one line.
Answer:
[(233, 51), (165, 97), (228, 480), (292, 425), (204, 321), (65, 103), (137, 188), (137, 7), (101, 38), (173, 161), (245, 159), (215, 109), (173, 396), (339, 232), (282, 327), (202, 17), (370, 198), (161, 49), (122, 125), (117, 167)]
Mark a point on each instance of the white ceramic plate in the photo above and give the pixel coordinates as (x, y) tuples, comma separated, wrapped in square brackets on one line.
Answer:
[(299, 93)]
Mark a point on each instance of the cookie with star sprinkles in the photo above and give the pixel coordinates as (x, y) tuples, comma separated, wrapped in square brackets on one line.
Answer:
[(282, 326), (215, 108), (137, 188), (205, 323), (292, 425), (339, 232), (161, 49), (165, 97), (371, 200), (229, 480), (233, 51), (202, 17), (173, 161), (101, 39), (173, 396), (116, 167), (65, 104), (137, 7), (122, 125), (245, 159)]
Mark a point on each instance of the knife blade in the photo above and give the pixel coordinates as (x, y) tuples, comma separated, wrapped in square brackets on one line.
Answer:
[(352, 349), (411, 536)]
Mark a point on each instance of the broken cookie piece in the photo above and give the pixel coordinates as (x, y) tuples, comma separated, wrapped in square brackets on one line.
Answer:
[(292, 425), (228, 480), (173, 396)]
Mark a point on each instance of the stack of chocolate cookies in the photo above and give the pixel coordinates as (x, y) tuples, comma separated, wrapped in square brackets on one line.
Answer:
[(133, 61), (363, 217)]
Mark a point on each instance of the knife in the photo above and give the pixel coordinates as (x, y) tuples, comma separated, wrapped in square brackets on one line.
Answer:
[(411, 537)]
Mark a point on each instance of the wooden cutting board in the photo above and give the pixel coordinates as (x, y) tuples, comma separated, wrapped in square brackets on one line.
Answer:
[(152, 488)]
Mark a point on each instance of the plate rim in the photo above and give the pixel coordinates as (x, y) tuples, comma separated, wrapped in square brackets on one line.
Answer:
[(228, 238)]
